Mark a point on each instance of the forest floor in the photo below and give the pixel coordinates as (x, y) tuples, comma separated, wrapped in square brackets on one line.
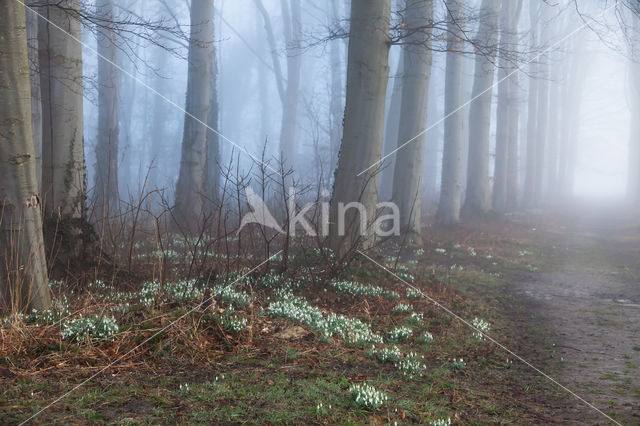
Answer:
[(561, 293)]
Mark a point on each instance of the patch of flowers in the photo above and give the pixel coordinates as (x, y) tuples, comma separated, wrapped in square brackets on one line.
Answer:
[(399, 334), (184, 389), (458, 364), (322, 410), (234, 324), (440, 251), (229, 295), (413, 293), (297, 309), (183, 290), (416, 319), (95, 327), (387, 354), (356, 289), (402, 308), (412, 365), (481, 327), (366, 396), (426, 337), (58, 311), (441, 422)]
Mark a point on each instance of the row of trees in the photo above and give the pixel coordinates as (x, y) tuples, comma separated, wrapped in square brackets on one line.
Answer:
[(43, 152)]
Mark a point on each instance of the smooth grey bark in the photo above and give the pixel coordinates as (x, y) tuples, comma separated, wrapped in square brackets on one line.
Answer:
[(60, 57), (289, 86), (391, 127), (531, 178), (337, 93), (36, 105), (106, 198), (543, 109), (633, 187), (507, 112), (23, 269), (513, 113), (367, 75), (212, 166), (478, 194), (417, 58), (188, 208), (451, 185)]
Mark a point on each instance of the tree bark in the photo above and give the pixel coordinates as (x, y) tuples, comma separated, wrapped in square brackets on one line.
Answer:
[(289, 89), (36, 105), (478, 196), (60, 55), (451, 185), (23, 269), (543, 110), (505, 176), (212, 167), (417, 58), (367, 75), (337, 93), (531, 178), (190, 187), (634, 141), (106, 198), (391, 127)]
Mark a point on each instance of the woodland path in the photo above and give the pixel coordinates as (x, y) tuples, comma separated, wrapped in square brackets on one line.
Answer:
[(586, 303)]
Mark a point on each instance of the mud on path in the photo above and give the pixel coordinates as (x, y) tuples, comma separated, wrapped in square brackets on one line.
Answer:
[(586, 304)]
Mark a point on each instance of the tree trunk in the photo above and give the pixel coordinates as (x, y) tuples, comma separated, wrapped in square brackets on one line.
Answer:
[(106, 199), (336, 113), (634, 141), (289, 92), (407, 191), (36, 105), (63, 174), (391, 127), (513, 97), (367, 75), (506, 129), (212, 178), (189, 190), (451, 189), (531, 178), (23, 269), (478, 197), (543, 111)]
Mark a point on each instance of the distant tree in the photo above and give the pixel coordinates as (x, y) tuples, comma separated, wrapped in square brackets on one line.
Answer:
[(634, 87), (451, 185), (417, 59), (478, 194), (288, 86), (106, 198), (505, 177), (531, 178), (367, 75), (190, 187), (23, 269), (60, 58)]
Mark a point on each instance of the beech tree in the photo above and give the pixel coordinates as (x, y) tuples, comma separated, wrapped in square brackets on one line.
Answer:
[(505, 177), (106, 189), (367, 76), (416, 55), (451, 186), (478, 195), (60, 60), (190, 187), (23, 269), (289, 86)]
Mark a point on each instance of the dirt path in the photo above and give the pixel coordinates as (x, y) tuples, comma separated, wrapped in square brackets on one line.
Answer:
[(589, 303)]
